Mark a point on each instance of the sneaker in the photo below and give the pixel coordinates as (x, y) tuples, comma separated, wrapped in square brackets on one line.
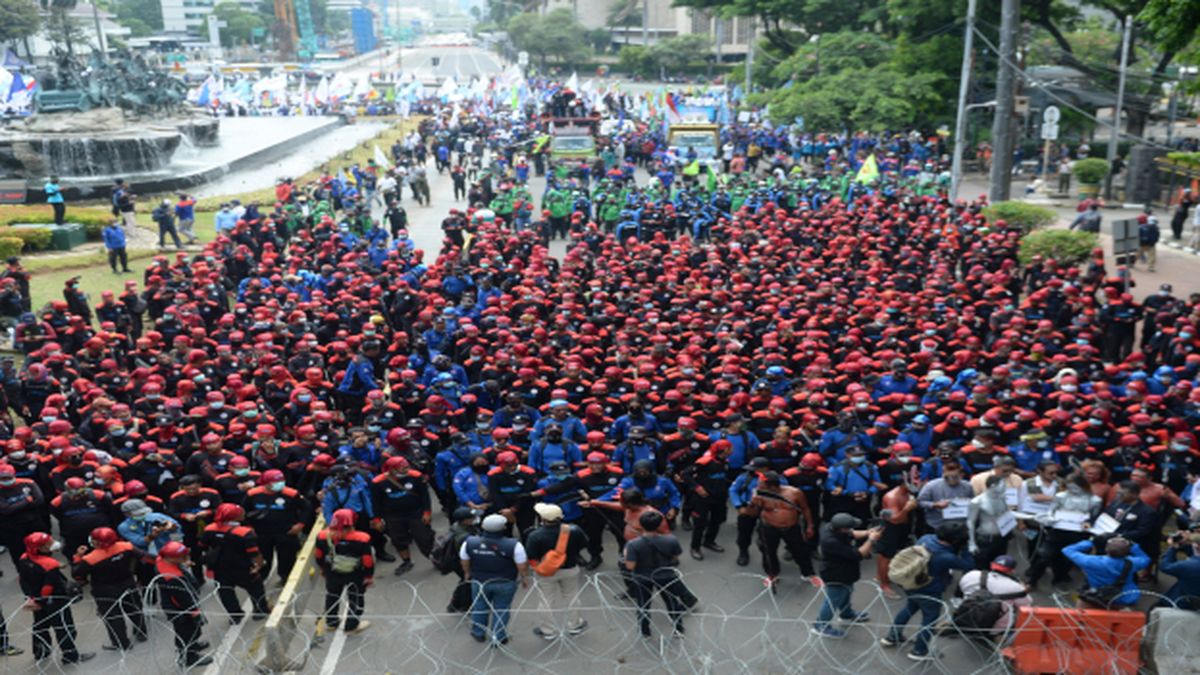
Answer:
[(384, 556), (80, 658), (913, 656), (697, 554), (891, 640), (199, 661), (403, 567), (860, 617), (11, 651), (715, 547), (578, 629), (816, 581), (827, 632), (362, 625), (544, 634), (743, 559), (479, 638)]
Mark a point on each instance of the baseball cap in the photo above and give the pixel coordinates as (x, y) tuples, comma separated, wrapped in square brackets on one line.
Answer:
[(844, 521), (495, 523), (1004, 563), (135, 508), (548, 512)]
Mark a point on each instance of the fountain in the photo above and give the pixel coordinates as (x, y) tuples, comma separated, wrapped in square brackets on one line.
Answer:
[(102, 120)]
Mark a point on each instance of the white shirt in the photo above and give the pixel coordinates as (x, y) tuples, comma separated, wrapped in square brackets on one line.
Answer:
[(519, 556), (997, 584)]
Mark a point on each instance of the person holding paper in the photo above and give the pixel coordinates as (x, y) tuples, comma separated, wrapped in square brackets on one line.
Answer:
[(1071, 508), (990, 523), (945, 498)]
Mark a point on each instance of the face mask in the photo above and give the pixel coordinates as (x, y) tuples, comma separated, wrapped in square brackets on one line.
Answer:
[(1185, 336), (1043, 444), (76, 460), (904, 459), (241, 472), (480, 469), (250, 414), (118, 432), (862, 406), (304, 399), (48, 420), (978, 444), (8, 480), (1180, 447), (277, 486), (234, 523), (912, 407), (519, 427), (1069, 388), (1095, 422), (55, 546), (18, 455), (554, 436), (216, 406), (858, 459), (480, 424)]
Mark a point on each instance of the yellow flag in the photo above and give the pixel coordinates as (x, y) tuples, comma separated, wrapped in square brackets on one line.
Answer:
[(868, 172)]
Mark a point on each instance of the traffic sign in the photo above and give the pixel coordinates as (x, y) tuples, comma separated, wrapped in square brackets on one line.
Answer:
[(1049, 132), (1051, 115)]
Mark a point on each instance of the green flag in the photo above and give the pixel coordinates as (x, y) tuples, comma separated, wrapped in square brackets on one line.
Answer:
[(692, 169), (868, 172)]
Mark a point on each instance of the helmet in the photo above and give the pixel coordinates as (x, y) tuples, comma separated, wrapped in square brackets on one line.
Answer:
[(229, 512), (342, 518), (35, 541), (271, 476), (173, 549), (103, 537)]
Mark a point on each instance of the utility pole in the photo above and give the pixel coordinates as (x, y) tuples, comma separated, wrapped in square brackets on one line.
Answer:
[(646, 23), (1000, 180), (751, 37), (964, 86), (1114, 134)]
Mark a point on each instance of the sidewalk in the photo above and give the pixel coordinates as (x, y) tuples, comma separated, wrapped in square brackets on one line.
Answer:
[(1174, 266)]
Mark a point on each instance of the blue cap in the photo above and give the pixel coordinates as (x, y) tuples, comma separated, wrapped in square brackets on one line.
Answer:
[(558, 403), (775, 370), (921, 419)]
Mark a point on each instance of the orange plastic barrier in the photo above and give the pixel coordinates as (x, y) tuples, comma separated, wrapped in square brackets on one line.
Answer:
[(1075, 641)]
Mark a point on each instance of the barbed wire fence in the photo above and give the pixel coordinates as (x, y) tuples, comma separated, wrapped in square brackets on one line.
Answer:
[(739, 626)]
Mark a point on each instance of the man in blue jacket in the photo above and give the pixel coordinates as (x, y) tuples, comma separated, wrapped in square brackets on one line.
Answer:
[(947, 551), (1120, 563), (1185, 593), (114, 243), (358, 381)]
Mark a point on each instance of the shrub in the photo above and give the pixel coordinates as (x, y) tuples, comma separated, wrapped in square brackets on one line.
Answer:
[(1028, 216), (35, 238), (93, 219), (1185, 158), (1068, 247), (10, 246), (1090, 171)]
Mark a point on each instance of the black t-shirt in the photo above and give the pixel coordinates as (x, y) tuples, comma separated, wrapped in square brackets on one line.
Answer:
[(651, 553), (543, 540), (840, 560)]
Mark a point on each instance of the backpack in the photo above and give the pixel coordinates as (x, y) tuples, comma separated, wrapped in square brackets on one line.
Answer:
[(910, 568), (981, 610), (341, 563), (553, 559), (444, 553)]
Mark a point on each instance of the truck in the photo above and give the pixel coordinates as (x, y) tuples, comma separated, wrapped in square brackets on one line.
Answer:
[(572, 142), (696, 128)]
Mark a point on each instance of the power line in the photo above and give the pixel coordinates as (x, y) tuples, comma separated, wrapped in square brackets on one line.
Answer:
[(1064, 102)]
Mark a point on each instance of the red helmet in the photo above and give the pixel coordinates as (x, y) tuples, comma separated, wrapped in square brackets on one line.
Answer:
[(103, 537), (173, 549), (135, 487), (238, 461), (76, 483), (342, 519), (229, 512), (395, 464), (271, 476), (35, 541)]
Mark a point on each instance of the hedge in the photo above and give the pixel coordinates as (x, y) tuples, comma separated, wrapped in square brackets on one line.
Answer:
[(34, 238), (1028, 216), (10, 246), (93, 219), (1090, 171), (1067, 247)]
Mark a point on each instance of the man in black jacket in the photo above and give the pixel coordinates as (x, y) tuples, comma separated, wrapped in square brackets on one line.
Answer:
[(560, 589), (843, 549), (181, 602)]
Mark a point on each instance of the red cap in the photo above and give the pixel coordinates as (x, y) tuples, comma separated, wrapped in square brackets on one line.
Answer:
[(597, 458), (506, 457)]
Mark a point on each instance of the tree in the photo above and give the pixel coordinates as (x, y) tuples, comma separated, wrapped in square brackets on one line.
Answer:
[(141, 17), (19, 19), (857, 83), (555, 36), (240, 24), (787, 24), (677, 53)]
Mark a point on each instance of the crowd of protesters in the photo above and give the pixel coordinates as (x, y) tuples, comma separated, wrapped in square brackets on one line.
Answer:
[(849, 372)]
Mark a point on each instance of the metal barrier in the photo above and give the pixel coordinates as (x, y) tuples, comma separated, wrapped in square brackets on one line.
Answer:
[(281, 652)]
